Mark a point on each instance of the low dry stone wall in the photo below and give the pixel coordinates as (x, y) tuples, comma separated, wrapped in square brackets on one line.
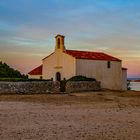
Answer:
[(79, 86), (29, 87), (38, 87)]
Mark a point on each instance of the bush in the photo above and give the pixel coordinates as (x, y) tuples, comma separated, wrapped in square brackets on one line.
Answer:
[(63, 85), (20, 79), (81, 78), (8, 72), (12, 79), (128, 85)]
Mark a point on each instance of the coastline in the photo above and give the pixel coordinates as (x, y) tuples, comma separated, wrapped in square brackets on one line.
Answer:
[(135, 86)]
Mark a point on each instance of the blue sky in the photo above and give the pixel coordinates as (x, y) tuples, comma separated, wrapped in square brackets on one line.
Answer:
[(28, 28)]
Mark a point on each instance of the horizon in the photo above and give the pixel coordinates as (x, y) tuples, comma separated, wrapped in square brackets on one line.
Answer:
[(28, 30)]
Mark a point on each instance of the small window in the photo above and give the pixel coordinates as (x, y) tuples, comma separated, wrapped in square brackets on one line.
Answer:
[(108, 64), (58, 43)]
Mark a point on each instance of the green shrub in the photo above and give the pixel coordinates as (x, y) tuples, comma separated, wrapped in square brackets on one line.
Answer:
[(13, 79), (63, 85), (8, 72), (81, 78), (20, 79)]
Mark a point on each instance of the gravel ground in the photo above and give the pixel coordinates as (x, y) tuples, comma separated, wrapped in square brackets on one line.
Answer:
[(78, 116)]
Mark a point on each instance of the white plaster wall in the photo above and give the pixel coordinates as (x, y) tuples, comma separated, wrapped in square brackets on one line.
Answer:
[(34, 76), (124, 79), (110, 78), (59, 62)]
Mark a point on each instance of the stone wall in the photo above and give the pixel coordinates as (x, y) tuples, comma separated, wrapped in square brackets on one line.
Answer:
[(29, 87), (38, 87), (78, 86)]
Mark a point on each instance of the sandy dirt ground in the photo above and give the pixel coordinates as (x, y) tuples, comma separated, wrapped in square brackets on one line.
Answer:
[(102, 115)]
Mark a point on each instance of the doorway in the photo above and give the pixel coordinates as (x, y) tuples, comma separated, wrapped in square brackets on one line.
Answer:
[(58, 76)]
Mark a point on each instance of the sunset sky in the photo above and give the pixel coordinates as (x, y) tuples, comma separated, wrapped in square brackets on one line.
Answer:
[(28, 28)]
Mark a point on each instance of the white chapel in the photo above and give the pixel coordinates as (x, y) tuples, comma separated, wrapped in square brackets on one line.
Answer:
[(63, 63)]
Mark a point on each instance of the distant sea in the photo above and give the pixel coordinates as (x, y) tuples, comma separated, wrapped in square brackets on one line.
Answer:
[(135, 86)]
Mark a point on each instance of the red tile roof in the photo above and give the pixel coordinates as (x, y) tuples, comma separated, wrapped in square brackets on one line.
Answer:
[(36, 71), (91, 55)]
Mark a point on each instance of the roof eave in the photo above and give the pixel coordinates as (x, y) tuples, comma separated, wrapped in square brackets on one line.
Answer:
[(48, 56), (99, 59)]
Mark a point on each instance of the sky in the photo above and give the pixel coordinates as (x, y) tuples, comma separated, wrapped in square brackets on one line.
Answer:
[(28, 29)]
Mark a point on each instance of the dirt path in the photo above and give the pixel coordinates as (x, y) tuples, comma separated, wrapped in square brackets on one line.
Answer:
[(98, 116)]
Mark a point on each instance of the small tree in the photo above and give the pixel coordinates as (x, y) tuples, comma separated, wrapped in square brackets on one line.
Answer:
[(128, 85)]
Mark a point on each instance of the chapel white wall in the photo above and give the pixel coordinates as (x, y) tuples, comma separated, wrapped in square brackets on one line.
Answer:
[(59, 62), (110, 78), (124, 79)]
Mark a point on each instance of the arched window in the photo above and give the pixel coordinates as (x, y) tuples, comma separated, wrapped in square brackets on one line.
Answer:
[(58, 76), (58, 43)]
